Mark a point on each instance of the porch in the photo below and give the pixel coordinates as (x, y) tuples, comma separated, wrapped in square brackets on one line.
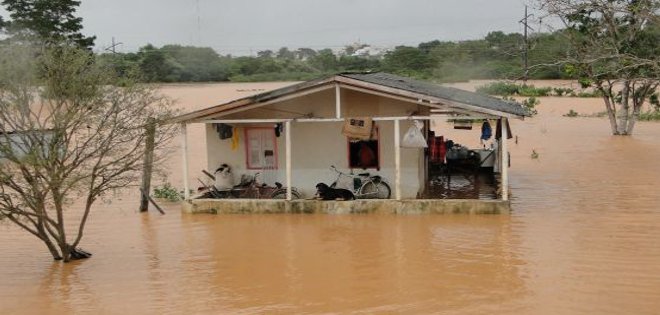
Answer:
[(371, 206)]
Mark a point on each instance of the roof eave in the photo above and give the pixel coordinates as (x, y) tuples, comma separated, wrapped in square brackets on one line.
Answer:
[(303, 88), (253, 99)]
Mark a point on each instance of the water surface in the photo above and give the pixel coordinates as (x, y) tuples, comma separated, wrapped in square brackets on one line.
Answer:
[(583, 238)]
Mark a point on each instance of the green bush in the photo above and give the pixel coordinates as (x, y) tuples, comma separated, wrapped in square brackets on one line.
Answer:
[(563, 91), (499, 88), (507, 89), (571, 113), (652, 115), (654, 99), (530, 105), (166, 191), (589, 94), (531, 91), (535, 155)]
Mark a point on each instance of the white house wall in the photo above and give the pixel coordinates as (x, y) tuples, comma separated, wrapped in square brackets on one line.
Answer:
[(316, 146)]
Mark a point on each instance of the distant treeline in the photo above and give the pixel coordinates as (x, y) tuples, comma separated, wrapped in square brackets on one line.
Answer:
[(497, 56)]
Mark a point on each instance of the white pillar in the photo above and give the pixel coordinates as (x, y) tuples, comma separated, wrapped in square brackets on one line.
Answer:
[(184, 152), (287, 133), (337, 101), (505, 160), (397, 160)]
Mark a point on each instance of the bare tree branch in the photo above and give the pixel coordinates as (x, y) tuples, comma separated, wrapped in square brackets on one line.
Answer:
[(69, 129)]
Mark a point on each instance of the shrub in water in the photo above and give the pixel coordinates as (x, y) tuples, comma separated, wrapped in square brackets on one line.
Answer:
[(571, 113), (499, 88), (167, 192)]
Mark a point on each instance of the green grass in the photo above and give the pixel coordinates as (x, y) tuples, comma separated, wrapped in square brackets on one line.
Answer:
[(652, 115)]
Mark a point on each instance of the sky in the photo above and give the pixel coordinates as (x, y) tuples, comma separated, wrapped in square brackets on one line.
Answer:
[(243, 27)]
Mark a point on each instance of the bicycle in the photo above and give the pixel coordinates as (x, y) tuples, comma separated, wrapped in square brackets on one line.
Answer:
[(249, 188), (365, 186)]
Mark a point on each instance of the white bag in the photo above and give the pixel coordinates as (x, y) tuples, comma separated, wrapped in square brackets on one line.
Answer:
[(414, 137)]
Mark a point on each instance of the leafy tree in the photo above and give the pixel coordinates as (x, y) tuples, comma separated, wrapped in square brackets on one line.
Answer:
[(265, 54), (355, 63), (156, 65), (285, 53), (52, 20), (71, 131), (245, 66), (324, 61), (427, 47), (124, 65), (407, 59), (614, 50), (305, 53), (197, 64)]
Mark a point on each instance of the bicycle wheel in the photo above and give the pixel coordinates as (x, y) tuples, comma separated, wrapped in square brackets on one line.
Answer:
[(281, 194), (250, 193), (375, 190)]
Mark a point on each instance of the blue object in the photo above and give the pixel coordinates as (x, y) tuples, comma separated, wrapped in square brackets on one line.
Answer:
[(486, 131)]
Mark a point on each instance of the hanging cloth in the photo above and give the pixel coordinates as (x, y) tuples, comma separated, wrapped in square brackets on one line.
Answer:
[(498, 130), (486, 131), (224, 131), (437, 149), (434, 148), (234, 139), (442, 150), (279, 127), (367, 156)]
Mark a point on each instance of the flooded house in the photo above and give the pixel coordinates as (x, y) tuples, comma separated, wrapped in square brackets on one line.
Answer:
[(368, 133)]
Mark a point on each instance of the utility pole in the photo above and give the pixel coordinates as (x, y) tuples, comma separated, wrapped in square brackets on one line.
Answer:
[(199, 24), (113, 47), (526, 27)]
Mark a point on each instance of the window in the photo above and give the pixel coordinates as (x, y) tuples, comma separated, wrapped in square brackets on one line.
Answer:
[(261, 148), (364, 153)]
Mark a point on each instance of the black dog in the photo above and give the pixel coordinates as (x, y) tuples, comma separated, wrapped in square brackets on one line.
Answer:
[(326, 193)]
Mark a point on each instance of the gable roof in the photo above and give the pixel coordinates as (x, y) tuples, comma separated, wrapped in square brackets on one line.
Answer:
[(425, 93), (439, 91)]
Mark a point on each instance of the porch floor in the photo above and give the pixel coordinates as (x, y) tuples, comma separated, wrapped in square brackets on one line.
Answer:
[(383, 206)]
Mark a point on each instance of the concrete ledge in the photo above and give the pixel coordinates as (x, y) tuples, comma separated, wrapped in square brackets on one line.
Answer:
[(416, 206)]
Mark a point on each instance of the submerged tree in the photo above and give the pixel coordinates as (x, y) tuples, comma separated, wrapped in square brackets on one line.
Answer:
[(71, 131), (615, 50)]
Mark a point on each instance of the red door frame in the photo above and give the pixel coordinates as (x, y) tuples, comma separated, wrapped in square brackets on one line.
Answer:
[(348, 151)]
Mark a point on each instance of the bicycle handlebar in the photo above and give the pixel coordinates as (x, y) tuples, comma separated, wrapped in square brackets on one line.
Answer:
[(332, 167)]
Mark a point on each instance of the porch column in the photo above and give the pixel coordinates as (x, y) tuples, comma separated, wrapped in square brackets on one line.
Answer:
[(505, 160), (184, 152), (337, 101), (287, 135), (397, 160)]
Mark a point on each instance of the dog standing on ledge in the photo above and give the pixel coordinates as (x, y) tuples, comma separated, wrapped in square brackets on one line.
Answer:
[(325, 192)]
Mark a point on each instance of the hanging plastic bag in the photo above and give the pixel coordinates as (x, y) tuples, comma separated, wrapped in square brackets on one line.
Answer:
[(414, 137)]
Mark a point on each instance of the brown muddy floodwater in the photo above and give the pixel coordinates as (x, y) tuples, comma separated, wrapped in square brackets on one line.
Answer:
[(583, 238)]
